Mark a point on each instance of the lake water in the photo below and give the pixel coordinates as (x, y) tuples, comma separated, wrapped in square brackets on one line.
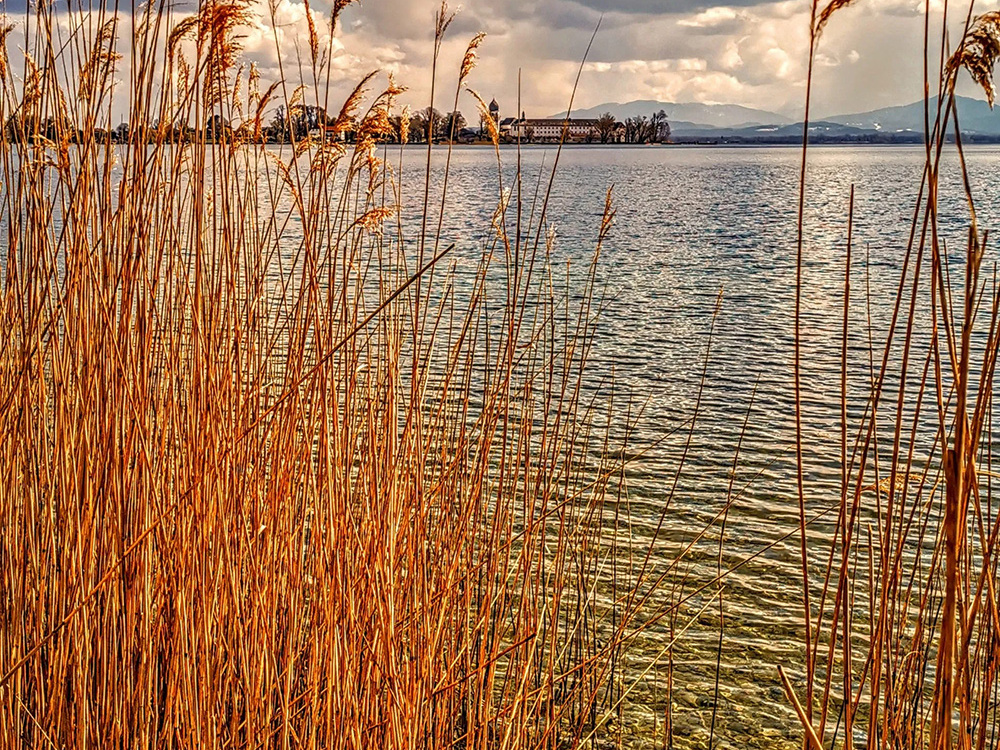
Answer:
[(691, 222)]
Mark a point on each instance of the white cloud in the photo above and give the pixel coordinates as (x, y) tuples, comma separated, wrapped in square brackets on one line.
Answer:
[(744, 52), (711, 18)]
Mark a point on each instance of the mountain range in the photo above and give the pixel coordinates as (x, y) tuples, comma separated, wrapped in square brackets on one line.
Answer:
[(692, 120), (694, 113), (974, 116)]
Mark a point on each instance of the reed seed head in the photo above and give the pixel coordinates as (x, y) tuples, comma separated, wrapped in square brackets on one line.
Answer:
[(469, 61), (978, 54)]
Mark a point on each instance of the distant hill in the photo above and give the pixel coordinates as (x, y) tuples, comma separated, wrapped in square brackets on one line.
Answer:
[(730, 123), (974, 116), (821, 128), (822, 131), (690, 113), (904, 124)]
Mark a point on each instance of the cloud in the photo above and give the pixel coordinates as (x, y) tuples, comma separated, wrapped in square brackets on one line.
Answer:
[(749, 52), (718, 20), (656, 7)]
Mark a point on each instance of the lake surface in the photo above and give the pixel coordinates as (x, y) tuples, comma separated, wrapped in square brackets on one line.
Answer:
[(692, 222)]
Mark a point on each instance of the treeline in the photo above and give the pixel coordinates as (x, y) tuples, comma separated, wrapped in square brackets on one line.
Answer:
[(283, 127), (287, 127), (424, 123), (638, 129)]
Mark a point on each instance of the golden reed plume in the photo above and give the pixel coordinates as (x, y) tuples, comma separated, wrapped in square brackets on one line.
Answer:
[(978, 54)]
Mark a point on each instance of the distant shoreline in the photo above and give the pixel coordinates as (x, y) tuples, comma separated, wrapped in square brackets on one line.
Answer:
[(722, 142)]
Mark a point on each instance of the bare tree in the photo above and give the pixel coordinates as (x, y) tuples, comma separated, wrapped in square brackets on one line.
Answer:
[(428, 123), (659, 128), (453, 123), (606, 124), (637, 129)]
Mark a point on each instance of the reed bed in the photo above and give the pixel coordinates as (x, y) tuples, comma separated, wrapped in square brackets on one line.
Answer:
[(901, 628), (277, 470), (274, 472)]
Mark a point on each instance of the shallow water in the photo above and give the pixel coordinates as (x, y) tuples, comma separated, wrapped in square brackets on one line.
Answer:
[(692, 222)]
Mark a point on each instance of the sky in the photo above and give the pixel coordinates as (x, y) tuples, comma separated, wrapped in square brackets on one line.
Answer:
[(748, 52)]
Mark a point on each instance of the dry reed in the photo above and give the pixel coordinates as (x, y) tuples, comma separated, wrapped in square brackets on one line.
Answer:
[(267, 480), (919, 668)]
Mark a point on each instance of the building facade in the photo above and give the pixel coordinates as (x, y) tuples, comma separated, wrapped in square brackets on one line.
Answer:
[(542, 129), (551, 129)]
